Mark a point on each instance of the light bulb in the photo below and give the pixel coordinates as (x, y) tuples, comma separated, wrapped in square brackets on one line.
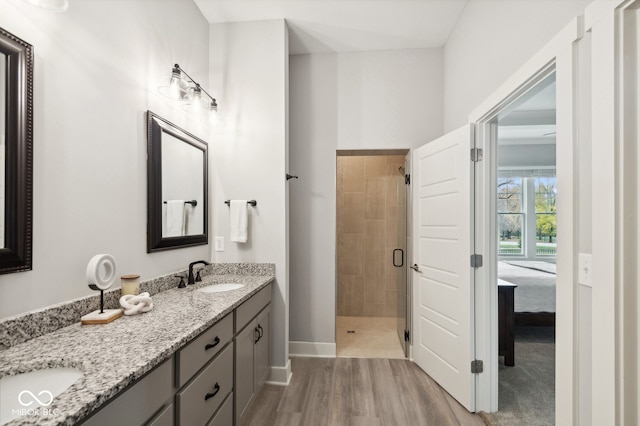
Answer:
[(198, 105), (177, 89)]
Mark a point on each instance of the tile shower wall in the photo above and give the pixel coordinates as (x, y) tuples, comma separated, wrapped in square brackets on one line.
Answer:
[(370, 202)]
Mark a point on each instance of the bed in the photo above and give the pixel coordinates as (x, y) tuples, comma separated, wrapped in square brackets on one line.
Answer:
[(526, 296), (535, 294)]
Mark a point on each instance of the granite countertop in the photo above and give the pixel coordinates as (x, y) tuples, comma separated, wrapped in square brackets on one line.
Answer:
[(114, 355)]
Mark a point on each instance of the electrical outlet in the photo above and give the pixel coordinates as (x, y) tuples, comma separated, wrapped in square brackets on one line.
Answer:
[(219, 244), (584, 269)]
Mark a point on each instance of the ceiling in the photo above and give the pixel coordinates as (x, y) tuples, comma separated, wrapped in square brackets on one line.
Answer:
[(322, 26), (527, 131)]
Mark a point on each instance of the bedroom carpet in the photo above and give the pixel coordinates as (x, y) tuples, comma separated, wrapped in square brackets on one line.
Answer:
[(526, 392)]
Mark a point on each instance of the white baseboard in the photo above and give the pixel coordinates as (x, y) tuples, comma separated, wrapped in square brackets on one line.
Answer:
[(312, 349), (280, 376)]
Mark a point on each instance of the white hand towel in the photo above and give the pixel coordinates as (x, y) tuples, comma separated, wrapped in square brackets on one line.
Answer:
[(238, 220), (175, 218)]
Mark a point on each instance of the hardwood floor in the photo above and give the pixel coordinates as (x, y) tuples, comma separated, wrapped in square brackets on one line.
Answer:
[(356, 391)]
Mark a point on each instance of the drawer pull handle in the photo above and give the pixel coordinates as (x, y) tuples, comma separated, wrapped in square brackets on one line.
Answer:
[(216, 389), (261, 331), (212, 345), (256, 334)]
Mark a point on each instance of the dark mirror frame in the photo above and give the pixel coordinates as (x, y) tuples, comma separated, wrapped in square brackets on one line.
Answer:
[(156, 126), (16, 255)]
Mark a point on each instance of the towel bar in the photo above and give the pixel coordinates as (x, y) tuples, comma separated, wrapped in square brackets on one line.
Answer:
[(192, 202), (250, 202)]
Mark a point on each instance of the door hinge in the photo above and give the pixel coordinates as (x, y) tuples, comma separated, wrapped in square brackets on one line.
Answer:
[(476, 154), (406, 335), (476, 260), (476, 366), (407, 179)]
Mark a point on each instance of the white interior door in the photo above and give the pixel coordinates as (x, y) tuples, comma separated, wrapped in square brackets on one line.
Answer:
[(442, 278)]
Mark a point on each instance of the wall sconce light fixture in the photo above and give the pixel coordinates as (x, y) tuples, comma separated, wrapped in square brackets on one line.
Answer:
[(52, 5), (182, 87)]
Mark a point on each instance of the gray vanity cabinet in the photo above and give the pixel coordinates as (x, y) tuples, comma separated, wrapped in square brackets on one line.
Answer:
[(245, 372), (213, 380), (142, 403), (253, 320), (163, 418), (262, 349), (199, 400), (205, 374)]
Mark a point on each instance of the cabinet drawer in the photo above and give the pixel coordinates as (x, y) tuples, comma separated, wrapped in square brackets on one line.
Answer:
[(249, 309), (197, 402), (163, 418), (224, 416), (203, 348), (139, 402)]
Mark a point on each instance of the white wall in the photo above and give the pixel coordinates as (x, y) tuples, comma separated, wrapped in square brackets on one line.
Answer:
[(371, 100), (492, 39), (248, 73), (97, 67)]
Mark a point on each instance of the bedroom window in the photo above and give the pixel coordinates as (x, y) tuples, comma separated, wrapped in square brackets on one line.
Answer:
[(546, 228), (510, 216)]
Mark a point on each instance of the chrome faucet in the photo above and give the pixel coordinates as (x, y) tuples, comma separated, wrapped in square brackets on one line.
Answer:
[(191, 280)]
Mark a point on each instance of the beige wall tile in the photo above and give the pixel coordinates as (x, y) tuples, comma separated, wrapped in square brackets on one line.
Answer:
[(340, 296), (374, 233), (393, 170), (393, 159), (392, 189), (375, 254), (392, 237), (374, 166), (373, 310), (375, 199), (353, 221), (353, 200), (353, 292), (374, 282), (368, 193), (353, 179), (393, 276), (350, 258), (391, 303)]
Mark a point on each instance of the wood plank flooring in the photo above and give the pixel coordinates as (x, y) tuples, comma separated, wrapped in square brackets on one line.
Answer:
[(356, 391)]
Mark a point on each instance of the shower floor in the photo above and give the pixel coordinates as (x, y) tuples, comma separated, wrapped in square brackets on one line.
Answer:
[(374, 337)]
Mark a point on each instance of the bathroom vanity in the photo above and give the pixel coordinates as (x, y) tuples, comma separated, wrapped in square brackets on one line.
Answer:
[(196, 358)]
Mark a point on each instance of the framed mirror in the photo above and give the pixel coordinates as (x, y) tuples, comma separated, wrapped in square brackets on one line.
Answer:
[(176, 186), (16, 153)]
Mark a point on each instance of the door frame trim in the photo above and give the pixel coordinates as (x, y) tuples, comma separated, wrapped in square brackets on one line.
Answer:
[(558, 54)]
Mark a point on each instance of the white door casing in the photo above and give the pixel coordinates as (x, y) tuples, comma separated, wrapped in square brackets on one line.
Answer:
[(560, 54), (443, 291)]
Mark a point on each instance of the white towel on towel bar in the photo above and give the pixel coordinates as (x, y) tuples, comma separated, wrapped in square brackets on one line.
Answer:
[(175, 218), (238, 220)]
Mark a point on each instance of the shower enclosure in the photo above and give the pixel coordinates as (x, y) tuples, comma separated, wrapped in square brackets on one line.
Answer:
[(371, 257)]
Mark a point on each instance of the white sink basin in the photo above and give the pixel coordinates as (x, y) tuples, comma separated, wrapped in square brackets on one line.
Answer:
[(218, 288), (33, 392)]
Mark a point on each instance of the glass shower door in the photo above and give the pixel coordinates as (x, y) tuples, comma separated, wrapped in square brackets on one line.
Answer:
[(402, 316)]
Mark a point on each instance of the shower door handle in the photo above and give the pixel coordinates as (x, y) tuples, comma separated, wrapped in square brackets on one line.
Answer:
[(393, 258), (415, 267)]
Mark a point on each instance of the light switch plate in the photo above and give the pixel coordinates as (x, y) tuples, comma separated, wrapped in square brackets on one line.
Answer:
[(219, 244), (584, 269)]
